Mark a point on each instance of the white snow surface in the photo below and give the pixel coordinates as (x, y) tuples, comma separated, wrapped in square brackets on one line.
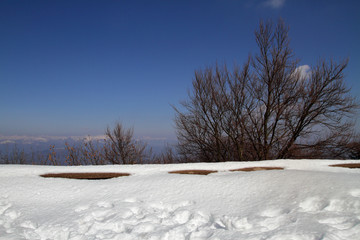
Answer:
[(307, 201)]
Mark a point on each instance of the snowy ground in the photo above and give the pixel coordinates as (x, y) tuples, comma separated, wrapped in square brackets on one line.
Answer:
[(306, 201)]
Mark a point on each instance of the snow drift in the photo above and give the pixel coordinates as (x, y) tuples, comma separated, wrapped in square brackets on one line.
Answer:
[(307, 200)]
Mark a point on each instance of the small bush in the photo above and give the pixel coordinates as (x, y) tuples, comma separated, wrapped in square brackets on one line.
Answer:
[(121, 148)]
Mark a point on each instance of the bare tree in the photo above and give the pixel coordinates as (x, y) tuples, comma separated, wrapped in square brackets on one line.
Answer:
[(92, 152), (167, 156), (52, 158), (267, 109), (15, 156), (73, 157), (4, 157), (121, 148), (87, 152), (352, 148), (210, 131)]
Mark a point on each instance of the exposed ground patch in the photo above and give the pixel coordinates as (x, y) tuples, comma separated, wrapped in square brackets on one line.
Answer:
[(347, 165), (85, 175), (250, 169), (197, 172)]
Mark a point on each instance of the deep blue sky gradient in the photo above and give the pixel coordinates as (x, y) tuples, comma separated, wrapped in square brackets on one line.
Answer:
[(74, 67)]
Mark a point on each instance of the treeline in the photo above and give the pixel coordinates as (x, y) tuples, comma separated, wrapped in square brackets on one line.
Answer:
[(119, 147)]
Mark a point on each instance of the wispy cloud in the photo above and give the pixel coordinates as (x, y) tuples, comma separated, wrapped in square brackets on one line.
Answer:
[(276, 4)]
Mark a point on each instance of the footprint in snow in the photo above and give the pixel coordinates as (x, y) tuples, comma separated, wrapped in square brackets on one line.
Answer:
[(342, 227), (355, 193), (343, 205), (130, 200), (12, 214), (273, 212), (312, 204), (4, 206), (29, 225), (101, 215), (82, 208), (200, 235), (105, 204), (182, 217), (272, 223), (340, 223), (8, 217), (144, 227), (233, 223)]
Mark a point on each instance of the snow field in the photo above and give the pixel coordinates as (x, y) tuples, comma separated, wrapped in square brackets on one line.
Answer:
[(296, 204)]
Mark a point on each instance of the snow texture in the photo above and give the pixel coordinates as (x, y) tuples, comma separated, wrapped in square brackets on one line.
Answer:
[(306, 201)]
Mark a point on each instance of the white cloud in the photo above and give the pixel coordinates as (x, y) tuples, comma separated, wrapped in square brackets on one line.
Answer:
[(274, 3), (304, 70)]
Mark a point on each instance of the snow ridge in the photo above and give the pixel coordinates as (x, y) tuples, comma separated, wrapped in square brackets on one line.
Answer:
[(291, 204)]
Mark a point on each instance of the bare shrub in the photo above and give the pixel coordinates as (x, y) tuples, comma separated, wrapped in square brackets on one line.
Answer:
[(14, 156), (4, 157), (87, 152), (93, 153), (167, 156), (121, 148), (36, 157), (52, 158), (73, 155), (268, 108), (352, 150)]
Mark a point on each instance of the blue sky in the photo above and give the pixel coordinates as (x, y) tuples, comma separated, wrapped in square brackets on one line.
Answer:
[(71, 68)]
